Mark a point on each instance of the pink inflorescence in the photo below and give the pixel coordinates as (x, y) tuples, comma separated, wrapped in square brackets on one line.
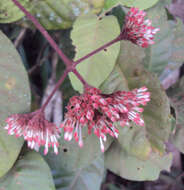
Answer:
[(137, 29), (99, 112), (35, 129)]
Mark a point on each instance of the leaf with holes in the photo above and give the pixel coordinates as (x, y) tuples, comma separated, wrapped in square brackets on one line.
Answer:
[(10, 12), (29, 172), (129, 167), (15, 98), (87, 35), (87, 178), (71, 157)]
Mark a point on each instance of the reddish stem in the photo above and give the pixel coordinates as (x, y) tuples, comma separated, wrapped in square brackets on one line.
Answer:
[(45, 33), (80, 78), (69, 63), (97, 50)]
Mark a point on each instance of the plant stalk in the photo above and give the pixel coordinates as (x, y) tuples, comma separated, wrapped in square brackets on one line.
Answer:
[(97, 50)]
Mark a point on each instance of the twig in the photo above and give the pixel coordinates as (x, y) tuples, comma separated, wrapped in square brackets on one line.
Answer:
[(20, 37), (39, 61)]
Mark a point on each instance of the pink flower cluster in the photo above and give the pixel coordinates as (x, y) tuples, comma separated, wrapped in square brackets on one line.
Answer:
[(99, 112), (137, 29), (94, 110), (35, 129)]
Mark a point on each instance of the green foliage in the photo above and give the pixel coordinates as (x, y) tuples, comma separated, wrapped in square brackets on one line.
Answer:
[(15, 98), (88, 34), (52, 14), (87, 178), (10, 13), (137, 145), (129, 167), (139, 153), (157, 123), (168, 47), (71, 157), (176, 94), (115, 81), (177, 51), (29, 172), (158, 55), (142, 4)]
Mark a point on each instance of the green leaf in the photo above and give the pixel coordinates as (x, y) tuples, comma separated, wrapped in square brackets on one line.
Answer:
[(157, 113), (139, 152), (71, 157), (133, 139), (60, 14), (158, 55), (177, 52), (53, 14), (139, 147), (10, 12), (15, 98), (88, 35), (115, 81), (30, 172), (87, 178), (142, 4), (131, 168), (176, 94)]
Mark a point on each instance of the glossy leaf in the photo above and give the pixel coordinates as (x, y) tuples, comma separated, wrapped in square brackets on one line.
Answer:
[(129, 167), (15, 98), (87, 35), (10, 13), (29, 172), (87, 178)]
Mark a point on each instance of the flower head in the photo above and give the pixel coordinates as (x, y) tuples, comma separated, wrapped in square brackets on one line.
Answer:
[(100, 112), (35, 129), (137, 29)]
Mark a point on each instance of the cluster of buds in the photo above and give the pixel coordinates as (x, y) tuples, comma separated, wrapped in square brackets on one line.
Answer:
[(100, 112), (137, 29), (35, 129)]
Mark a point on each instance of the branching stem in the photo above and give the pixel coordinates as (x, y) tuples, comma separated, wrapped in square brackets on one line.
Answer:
[(70, 65)]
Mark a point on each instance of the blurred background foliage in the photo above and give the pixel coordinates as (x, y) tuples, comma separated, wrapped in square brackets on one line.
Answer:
[(145, 158)]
